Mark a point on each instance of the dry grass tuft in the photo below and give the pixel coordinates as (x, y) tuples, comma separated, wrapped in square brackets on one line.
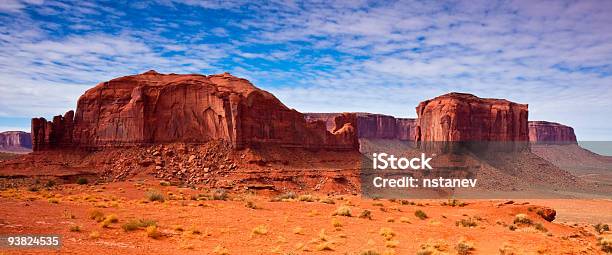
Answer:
[(391, 243), (260, 230), (464, 247), (366, 214), (420, 214), (96, 215), (306, 198), (152, 232), (220, 250), (468, 223), (432, 247), (522, 219), (404, 220), (94, 235), (336, 223), (387, 233), (343, 211)]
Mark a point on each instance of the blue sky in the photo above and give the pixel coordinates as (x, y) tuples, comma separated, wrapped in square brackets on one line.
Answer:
[(381, 57)]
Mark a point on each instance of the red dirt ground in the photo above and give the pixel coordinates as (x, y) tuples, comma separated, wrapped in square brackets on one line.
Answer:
[(291, 226)]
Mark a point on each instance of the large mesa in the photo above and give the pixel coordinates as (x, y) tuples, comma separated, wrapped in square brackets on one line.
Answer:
[(152, 108)]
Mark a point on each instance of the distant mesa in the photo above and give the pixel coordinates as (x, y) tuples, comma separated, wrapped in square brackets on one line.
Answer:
[(551, 132), (465, 117), (152, 108), (15, 141), (374, 126)]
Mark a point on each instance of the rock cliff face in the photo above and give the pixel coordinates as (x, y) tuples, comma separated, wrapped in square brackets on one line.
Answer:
[(15, 141), (544, 131), (153, 108), (370, 125), (465, 117)]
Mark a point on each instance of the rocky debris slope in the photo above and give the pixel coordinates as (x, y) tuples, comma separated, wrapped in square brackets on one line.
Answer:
[(373, 126), (465, 117), (545, 132), (154, 108), (15, 141), (214, 164)]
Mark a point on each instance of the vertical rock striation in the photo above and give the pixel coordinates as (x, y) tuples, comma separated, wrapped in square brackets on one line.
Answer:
[(465, 117), (15, 141), (152, 108), (550, 132)]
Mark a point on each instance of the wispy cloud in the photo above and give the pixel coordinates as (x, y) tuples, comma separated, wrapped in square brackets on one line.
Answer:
[(322, 56)]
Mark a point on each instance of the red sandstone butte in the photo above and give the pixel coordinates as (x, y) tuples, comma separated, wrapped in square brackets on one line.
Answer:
[(465, 117), (544, 131), (376, 126), (152, 108)]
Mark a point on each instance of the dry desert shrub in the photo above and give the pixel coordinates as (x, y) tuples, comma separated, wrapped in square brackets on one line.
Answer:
[(469, 222), (366, 214), (606, 244), (522, 219), (369, 252), (391, 243), (178, 228), (220, 250), (327, 200), (260, 230), (387, 233), (195, 231), (108, 220), (285, 197), (251, 205), (306, 198), (155, 195), (464, 247), (601, 228), (420, 214), (433, 247), (75, 228), (220, 194), (507, 249), (404, 220), (343, 211), (453, 203), (136, 224), (96, 215), (540, 227), (94, 235), (152, 232), (336, 223)]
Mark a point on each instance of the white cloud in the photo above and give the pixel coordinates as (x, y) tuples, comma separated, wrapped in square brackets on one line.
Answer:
[(330, 56)]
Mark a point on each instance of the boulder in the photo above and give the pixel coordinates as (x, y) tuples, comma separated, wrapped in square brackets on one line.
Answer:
[(548, 214), (153, 108)]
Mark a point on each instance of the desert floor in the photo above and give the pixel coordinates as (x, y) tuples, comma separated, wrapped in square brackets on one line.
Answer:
[(112, 219)]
